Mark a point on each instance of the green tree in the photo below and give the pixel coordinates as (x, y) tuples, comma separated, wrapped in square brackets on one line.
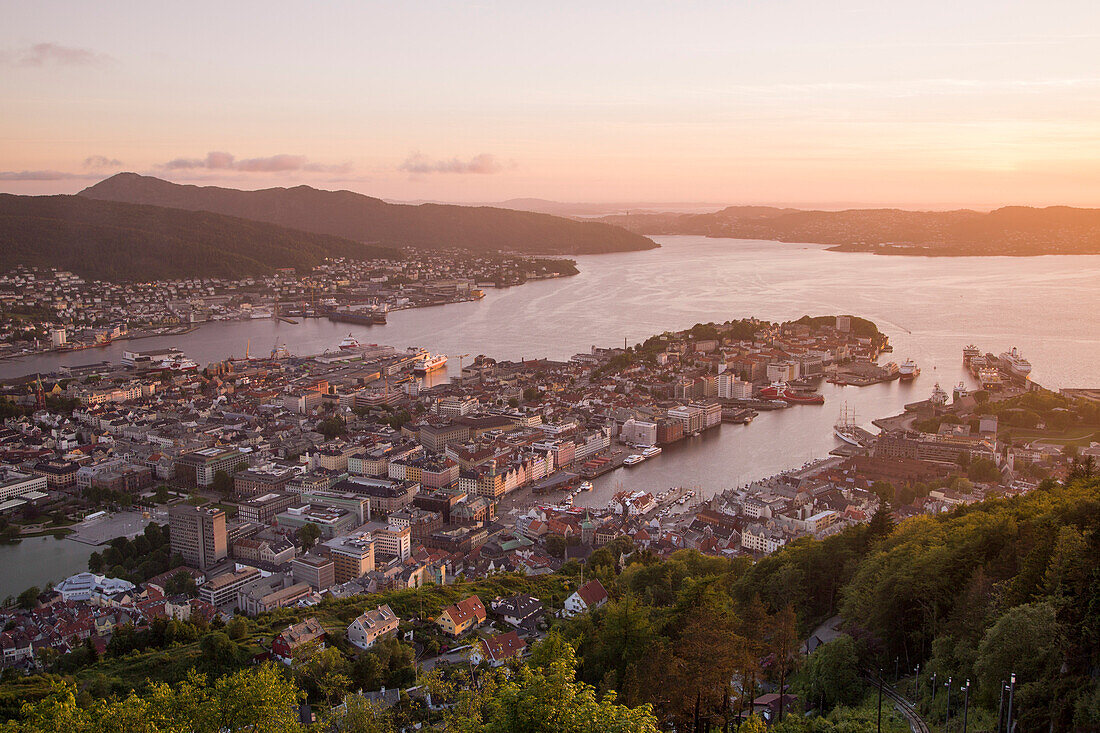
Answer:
[(28, 599), (308, 534), (237, 628), (181, 582), (219, 652), (325, 673), (1027, 640), (223, 483), (830, 676), (96, 563)]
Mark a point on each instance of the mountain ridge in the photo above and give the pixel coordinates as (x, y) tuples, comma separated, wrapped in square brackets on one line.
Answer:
[(367, 219), (1009, 230)]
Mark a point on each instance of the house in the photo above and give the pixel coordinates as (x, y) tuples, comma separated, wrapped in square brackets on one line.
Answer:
[(296, 636), (589, 596), (461, 617), (519, 610), (496, 650), (372, 626)]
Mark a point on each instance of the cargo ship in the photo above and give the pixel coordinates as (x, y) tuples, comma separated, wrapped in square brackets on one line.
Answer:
[(430, 363), (909, 370)]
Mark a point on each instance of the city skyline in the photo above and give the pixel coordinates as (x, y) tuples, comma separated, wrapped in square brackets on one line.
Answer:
[(851, 105)]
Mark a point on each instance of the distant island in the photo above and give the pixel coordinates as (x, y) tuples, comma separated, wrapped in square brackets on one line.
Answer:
[(1013, 230), (365, 219)]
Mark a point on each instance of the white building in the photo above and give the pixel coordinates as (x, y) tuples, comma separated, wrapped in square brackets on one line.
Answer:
[(86, 586), (639, 432), (731, 387), (588, 597)]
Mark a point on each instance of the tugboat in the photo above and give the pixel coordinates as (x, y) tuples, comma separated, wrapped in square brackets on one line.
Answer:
[(909, 370)]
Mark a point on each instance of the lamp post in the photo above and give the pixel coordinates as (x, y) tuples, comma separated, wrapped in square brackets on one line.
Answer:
[(916, 685), (1011, 695), (966, 704), (947, 722), (896, 677), (1001, 707), (933, 703), (880, 701)]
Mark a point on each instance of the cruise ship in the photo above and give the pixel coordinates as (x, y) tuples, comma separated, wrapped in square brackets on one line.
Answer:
[(909, 370), (430, 363), (1016, 364)]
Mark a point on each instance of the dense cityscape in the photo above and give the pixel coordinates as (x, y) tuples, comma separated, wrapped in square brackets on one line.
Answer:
[(517, 367)]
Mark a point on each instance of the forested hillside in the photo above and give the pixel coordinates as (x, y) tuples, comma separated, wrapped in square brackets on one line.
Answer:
[(1008, 586), (106, 240), (366, 219)]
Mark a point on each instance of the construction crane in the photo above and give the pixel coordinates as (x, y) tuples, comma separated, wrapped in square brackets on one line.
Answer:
[(460, 358)]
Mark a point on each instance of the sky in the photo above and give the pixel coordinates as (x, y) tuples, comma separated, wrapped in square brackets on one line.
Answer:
[(979, 103)]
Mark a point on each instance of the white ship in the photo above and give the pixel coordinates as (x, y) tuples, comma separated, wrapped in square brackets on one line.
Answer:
[(177, 364), (969, 353), (633, 459), (1016, 364), (429, 364), (350, 343), (585, 486), (845, 427), (651, 451), (909, 370)]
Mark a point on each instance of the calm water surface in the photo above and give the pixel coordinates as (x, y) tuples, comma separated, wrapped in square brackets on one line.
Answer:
[(931, 308)]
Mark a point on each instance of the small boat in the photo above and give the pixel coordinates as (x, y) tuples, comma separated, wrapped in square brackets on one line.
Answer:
[(633, 459), (585, 486)]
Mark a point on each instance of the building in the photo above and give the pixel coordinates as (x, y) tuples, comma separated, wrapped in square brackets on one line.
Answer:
[(365, 631), (297, 636), (690, 417), (385, 495), (639, 432), (730, 387), (316, 571), (266, 479), (519, 610), (465, 615), (269, 594), (712, 413), (496, 650), (198, 467), (60, 474), (588, 597), (331, 521), (269, 552), (261, 509), (198, 535), (222, 589), (393, 540), (345, 501), (88, 586), (352, 557), (16, 483)]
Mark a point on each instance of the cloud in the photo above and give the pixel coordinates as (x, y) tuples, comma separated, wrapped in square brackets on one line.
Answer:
[(481, 164), (44, 176), (218, 160), (100, 161), (47, 54)]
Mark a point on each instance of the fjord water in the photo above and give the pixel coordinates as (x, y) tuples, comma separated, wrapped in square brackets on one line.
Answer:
[(931, 308)]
